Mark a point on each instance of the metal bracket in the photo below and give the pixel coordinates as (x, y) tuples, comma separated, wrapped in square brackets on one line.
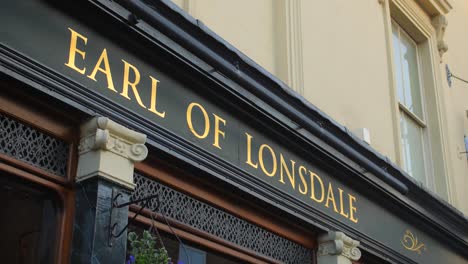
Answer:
[(450, 75), (113, 234)]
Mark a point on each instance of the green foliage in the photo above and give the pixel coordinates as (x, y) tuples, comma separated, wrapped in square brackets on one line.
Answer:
[(144, 250)]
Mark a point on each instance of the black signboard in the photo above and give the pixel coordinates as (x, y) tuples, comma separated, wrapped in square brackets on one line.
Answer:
[(109, 69)]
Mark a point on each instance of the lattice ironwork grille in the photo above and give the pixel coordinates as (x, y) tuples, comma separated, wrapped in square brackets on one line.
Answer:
[(29, 145), (207, 218)]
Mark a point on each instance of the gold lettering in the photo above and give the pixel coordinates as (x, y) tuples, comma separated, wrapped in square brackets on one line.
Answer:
[(218, 131), (74, 50), (273, 160), (154, 87), (190, 124), (127, 83), (290, 173), (312, 187), (352, 209), (342, 204), (249, 152), (106, 70), (301, 175), (331, 197)]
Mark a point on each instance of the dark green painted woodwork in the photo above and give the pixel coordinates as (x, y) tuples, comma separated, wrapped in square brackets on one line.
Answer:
[(41, 32)]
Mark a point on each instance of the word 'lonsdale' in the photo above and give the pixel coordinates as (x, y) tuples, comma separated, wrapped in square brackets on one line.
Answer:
[(265, 159), (309, 184)]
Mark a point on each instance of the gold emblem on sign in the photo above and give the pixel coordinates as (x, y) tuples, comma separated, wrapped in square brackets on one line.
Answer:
[(411, 243)]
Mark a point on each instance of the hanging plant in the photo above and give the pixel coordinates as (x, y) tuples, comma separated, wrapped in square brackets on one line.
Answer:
[(144, 250)]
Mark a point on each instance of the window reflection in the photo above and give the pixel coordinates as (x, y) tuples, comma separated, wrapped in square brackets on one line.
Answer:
[(186, 253)]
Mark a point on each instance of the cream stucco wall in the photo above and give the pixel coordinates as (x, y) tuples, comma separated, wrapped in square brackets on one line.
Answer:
[(249, 29), (456, 99), (345, 64)]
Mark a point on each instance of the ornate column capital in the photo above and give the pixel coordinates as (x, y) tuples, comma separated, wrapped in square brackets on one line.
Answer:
[(101, 133), (337, 248), (109, 150)]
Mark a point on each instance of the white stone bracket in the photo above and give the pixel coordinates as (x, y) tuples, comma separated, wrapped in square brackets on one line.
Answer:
[(109, 150), (440, 23), (337, 248)]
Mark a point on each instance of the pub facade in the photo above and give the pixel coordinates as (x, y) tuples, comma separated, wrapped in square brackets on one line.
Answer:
[(129, 115)]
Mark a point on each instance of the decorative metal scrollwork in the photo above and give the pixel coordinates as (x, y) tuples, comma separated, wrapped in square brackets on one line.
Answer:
[(217, 222), (31, 146), (411, 243)]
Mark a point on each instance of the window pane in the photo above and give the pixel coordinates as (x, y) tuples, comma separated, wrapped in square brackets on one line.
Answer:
[(397, 62), (28, 224), (412, 145), (196, 256), (409, 60)]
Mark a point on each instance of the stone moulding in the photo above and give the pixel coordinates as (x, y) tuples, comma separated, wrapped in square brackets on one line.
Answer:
[(109, 150), (337, 243), (120, 131), (103, 139), (435, 7), (440, 24)]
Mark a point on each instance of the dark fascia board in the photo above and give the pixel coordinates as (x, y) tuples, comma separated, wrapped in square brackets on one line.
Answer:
[(193, 35), (165, 142), (200, 40), (434, 217), (197, 39)]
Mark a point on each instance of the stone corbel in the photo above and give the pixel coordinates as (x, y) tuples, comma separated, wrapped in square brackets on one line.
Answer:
[(337, 248), (440, 24), (109, 150)]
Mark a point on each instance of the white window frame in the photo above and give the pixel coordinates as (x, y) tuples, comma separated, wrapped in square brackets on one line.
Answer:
[(420, 121), (417, 24)]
